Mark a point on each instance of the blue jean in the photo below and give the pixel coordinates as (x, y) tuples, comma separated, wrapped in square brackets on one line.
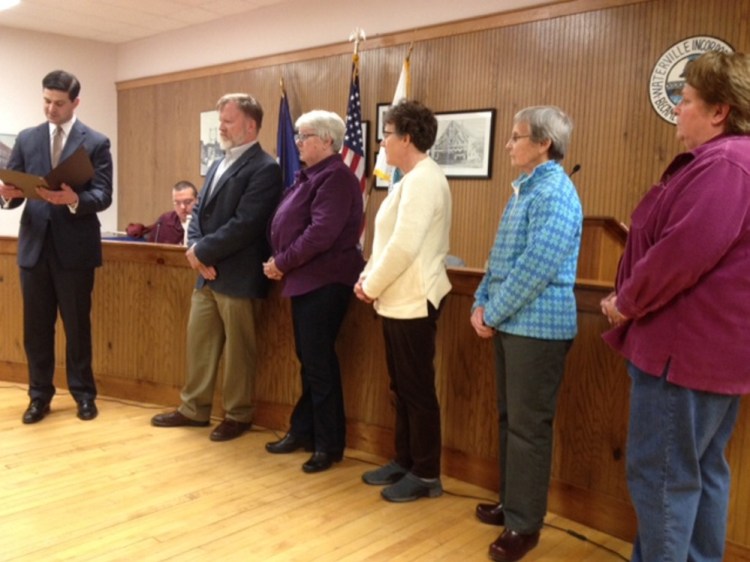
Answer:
[(677, 474)]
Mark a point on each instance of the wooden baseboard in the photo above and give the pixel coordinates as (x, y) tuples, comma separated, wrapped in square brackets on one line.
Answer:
[(736, 553), (608, 514)]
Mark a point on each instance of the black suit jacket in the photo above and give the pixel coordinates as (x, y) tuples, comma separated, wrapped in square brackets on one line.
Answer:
[(228, 226), (76, 236)]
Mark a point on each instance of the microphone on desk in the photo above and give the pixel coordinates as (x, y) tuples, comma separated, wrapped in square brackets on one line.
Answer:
[(575, 169), (186, 226), (156, 234)]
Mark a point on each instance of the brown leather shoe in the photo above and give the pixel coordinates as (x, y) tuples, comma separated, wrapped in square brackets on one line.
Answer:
[(176, 419), (512, 546), (229, 429), (491, 513)]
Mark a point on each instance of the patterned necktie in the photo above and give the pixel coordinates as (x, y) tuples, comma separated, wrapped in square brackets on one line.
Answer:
[(57, 145)]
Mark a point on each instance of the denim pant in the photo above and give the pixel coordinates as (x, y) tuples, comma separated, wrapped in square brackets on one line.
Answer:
[(677, 474)]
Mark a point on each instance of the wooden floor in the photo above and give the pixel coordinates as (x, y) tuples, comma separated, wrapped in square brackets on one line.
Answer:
[(117, 488)]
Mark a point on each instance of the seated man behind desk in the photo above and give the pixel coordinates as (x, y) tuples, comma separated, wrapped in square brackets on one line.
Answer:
[(171, 227)]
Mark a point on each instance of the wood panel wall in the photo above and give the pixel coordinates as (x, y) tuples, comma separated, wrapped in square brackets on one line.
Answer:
[(592, 58)]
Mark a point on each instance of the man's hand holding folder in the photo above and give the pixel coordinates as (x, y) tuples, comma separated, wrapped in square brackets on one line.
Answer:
[(58, 187)]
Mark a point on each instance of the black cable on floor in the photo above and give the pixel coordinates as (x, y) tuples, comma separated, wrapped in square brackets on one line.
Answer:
[(570, 532)]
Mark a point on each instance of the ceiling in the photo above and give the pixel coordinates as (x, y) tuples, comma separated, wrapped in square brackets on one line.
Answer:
[(120, 21)]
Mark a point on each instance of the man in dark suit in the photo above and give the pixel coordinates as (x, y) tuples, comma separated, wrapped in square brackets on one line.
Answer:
[(227, 246), (59, 246)]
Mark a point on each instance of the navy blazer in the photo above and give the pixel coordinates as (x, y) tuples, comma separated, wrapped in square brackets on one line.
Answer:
[(228, 227), (76, 236)]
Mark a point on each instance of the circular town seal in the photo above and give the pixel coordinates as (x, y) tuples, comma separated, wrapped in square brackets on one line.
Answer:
[(667, 77)]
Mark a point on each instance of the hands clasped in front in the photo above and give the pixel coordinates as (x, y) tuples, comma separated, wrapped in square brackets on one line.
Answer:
[(359, 292), (609, 309), (477, 322), (271, 271), (208, 272)]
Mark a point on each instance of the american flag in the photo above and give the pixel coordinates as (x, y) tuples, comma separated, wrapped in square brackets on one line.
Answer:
[(352, 152)]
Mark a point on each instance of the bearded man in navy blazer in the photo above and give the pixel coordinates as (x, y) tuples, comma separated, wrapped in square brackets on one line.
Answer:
[(227, 246), (59, 246)]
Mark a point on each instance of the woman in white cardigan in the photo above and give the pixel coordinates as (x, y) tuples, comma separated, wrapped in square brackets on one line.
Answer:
[(406, 280)]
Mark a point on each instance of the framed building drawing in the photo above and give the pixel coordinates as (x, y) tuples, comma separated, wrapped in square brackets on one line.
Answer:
[(464, 143)]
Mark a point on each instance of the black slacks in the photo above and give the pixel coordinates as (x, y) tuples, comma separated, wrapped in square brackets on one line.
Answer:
[(45, 288), (410, 352), (319, 414)]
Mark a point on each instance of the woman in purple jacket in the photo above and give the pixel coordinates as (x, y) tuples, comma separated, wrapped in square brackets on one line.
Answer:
[(682, 317), (315, 241)]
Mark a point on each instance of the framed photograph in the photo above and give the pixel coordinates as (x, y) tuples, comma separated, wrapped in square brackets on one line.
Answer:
[(463, 146), (210, 147), (6, 144), (380, 112)]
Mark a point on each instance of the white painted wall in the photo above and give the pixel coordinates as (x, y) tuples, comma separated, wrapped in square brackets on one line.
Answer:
[(25, 58), (291, 26)]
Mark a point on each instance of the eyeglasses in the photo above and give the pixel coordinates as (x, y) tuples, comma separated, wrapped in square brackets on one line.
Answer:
[(515, 138), (302, 137), (184, 203)]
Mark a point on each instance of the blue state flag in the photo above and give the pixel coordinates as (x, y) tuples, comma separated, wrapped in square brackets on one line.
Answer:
[(286, 147)]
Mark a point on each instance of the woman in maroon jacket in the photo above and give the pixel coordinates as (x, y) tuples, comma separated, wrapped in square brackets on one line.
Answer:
[(682, 317), (315, 242)]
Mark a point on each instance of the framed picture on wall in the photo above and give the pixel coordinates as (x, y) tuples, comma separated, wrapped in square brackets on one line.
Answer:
[(210, 147), (380, 112), (464, 143), (6, 144)]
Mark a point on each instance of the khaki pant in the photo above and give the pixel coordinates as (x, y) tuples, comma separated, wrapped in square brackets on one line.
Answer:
[(219, 323)]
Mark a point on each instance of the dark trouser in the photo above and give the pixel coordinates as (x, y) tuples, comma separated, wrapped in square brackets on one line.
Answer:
[(46, 287), (410, 351), (319, 413), (529, 372)]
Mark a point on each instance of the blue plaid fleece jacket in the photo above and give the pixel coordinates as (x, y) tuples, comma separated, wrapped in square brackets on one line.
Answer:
[(528, 287)]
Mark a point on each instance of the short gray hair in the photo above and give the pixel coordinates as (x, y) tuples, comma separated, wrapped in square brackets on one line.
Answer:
[(548, 122), (326, 124)]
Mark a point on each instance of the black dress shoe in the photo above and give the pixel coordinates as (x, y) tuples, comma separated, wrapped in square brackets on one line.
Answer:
[(176, 419), (288, 444), (229, 429), (491, 513), (36, 411), (512, 546), (319, 461), (87, 409)]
